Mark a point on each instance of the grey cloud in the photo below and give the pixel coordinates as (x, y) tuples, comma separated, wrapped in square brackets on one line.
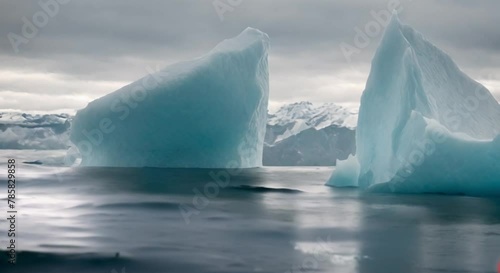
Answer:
[(106, 43)]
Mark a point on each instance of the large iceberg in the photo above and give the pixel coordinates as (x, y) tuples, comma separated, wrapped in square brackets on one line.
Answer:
[(424, 126), (210, 112)]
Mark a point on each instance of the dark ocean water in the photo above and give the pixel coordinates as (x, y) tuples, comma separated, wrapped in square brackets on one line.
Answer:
[(260, 220)]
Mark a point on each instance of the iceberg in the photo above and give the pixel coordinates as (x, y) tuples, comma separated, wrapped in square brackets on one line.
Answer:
[(424, 126), (210, 112)]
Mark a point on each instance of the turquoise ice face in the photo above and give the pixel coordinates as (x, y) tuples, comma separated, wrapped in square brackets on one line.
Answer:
[(210, 112), (424, 126)]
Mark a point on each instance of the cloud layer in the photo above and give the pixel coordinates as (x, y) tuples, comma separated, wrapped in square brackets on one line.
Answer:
[(89, 48)]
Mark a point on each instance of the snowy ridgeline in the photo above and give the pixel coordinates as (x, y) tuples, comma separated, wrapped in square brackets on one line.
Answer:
[(424, 126), (26, 131), (298, 134), (302, 134)]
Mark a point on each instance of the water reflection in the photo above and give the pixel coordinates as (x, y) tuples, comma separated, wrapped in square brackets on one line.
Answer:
[(424, 233), (261, 220)]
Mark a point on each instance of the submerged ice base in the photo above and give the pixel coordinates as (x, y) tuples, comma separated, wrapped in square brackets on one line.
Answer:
[(424, 126), (207, 113)]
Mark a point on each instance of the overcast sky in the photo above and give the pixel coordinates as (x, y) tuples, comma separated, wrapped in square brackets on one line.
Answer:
[(87, 49)]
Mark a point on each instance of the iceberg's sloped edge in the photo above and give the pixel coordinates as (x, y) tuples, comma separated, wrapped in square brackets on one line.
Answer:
[(346, 173), (474, 170), (443, 163), (210, 112), (424, 126)]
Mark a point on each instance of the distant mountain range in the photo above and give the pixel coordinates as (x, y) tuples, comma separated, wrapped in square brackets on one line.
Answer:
[(40, 132), (301, 134), (298, 134)]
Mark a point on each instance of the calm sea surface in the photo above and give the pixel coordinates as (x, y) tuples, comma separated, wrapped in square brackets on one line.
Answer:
[(260, 220)]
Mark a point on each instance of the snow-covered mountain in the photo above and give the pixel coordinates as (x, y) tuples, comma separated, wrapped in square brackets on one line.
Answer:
[(27, 131), (304, 115), (298, 134), (302, 134)]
